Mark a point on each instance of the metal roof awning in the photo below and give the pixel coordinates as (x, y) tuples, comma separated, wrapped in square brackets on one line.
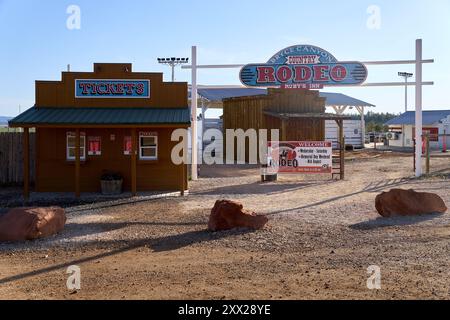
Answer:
[(37, 116), (339, 99), (320, 116), (429, 117), (216, 95)]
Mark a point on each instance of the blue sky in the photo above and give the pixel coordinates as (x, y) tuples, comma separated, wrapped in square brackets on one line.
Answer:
[(36, 44)]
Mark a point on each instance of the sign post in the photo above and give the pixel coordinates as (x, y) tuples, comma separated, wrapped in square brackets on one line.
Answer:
[(194, 174), (418, 150), (284, 73)]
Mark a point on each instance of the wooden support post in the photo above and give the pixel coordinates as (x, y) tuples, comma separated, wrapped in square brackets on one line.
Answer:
[(77, 163), (444, 142), (133, 162), (414, 157), (342, 148), (26, 164), (183, 176), (427, 144), (283, 130)]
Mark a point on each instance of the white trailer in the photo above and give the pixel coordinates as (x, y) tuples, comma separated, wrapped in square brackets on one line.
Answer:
[(352, 133)]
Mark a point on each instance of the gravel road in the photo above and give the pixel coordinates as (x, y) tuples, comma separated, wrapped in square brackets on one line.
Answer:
[(321, 238)]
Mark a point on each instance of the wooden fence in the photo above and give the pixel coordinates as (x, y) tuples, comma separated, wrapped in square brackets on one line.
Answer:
[(11, 158)]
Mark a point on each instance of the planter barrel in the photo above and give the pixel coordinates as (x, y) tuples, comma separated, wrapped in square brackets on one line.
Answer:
[(111, 187)]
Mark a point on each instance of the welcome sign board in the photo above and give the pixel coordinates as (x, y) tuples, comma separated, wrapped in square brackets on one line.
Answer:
[(300, 157), (303, 66), (105, 88)]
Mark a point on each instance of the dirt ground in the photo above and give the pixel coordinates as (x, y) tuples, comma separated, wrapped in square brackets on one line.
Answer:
[(321, 238)]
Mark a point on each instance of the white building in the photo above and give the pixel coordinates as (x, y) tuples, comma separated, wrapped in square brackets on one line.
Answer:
[(402, 128)]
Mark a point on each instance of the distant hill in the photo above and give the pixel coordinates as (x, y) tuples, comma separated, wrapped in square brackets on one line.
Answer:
[(4, 120)]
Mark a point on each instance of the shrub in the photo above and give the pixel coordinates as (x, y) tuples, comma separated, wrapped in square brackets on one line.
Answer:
[(110, 176)]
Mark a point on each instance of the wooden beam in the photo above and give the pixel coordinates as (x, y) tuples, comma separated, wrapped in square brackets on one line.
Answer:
[(427, 145), (26, 164), (183, 174), (335, 109), (133, 162), (283, 130), (342, 148), (341, 109), (77, 163)]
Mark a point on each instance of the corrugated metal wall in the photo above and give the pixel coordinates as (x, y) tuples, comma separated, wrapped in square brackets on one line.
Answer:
[(352, 132)]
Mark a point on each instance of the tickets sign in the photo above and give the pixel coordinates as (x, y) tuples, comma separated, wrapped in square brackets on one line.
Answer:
[(102, 88), (300, 157), (305, 67)]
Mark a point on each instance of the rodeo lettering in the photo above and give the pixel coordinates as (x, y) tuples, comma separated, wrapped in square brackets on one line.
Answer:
[(300, 73)]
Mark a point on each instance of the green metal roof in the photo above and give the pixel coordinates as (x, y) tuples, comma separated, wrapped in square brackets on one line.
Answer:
[(102, 116)]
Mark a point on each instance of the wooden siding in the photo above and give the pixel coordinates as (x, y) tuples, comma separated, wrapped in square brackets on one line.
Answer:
[(62, 93), (55, 173), (248, 112)]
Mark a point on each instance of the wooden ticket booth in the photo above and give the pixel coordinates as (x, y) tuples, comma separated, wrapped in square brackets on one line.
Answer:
[(111, 119)]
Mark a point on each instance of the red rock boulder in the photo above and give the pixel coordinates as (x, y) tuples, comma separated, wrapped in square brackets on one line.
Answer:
[(31, 223), (408, 203), (228, 214)]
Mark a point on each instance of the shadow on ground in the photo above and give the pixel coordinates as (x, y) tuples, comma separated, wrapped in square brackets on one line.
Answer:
[(261, 188), (382, 222), (76, 230), (161, 244)]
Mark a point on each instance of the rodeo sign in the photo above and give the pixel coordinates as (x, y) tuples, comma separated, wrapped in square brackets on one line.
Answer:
[(300, 157), (303, 67)]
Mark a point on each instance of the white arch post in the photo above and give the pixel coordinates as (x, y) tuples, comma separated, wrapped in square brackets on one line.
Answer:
[(418, 84)]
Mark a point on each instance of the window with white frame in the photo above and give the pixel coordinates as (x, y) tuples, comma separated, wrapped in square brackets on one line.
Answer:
[(70, 149), (148, 146)]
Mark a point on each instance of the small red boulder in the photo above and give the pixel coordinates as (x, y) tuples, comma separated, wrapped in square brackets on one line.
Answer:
[(31, 223), (228, 214), (408, 203)]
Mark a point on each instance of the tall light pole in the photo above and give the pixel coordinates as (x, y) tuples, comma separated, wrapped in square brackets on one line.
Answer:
[(406, 75), (172, 62)]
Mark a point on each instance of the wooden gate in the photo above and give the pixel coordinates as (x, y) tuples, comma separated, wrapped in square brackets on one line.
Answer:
[(11, 158)]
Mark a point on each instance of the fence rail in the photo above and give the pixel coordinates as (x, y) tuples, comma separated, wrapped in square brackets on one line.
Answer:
[(11, 158)]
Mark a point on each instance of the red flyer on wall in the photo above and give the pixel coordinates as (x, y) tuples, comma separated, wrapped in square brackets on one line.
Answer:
[(94, 146), (127, 145)]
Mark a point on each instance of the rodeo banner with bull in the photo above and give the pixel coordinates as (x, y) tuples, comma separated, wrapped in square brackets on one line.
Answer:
[(300, 157)]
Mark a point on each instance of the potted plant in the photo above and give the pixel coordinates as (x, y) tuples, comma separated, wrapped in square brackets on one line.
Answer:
[(111, 183)]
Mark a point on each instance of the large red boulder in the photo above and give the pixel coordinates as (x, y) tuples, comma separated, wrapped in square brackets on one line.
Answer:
[(408, 203), (31, 223), (228, 214)]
